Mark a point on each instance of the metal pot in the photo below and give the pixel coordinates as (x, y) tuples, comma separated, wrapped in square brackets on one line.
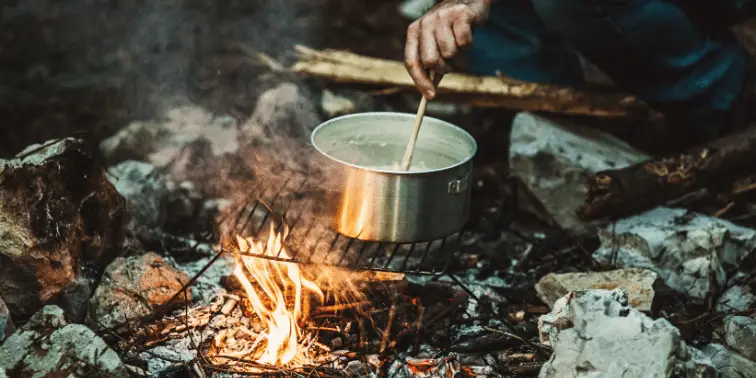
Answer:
[(377, 201)]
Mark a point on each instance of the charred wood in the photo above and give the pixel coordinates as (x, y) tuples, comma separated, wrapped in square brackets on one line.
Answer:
[(620, 192)]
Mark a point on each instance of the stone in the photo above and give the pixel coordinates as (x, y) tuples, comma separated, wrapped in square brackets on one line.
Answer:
[(355, 367), (47, 346), (553, 160), (597, 333), (637, 282), (75, 298), (684, 248), (736, 298), (414, 9), (145, 189), (282, 112), (132, 288), (6, 323), (61, 221), (335, 105), (729, 364), (208, 286), (740, 335), (159, 141)]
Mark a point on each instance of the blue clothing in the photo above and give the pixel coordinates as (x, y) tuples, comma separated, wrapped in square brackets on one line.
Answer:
[(652, 48)]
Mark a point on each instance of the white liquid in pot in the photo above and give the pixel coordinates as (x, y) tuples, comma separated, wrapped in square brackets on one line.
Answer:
[(383, 155)]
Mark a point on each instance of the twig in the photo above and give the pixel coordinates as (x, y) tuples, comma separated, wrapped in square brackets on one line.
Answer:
[(342, 307), (391, 316), (418, 327)]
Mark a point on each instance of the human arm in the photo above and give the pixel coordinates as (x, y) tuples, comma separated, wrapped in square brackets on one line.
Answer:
[(439, 35)]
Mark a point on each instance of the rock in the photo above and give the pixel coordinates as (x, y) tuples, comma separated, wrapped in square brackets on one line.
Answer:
[(597, 333), (75, 298), (6, 323), (334, 105), (61, 221), (637, 282), (740, 335), (284, 111), (208, 286), (47, 346), (728, 363), (145, 190), (355, 367), (736, 298), (160, 141), (553, 159), (132, 288), (414, 9), (682, 247), (154, 200)]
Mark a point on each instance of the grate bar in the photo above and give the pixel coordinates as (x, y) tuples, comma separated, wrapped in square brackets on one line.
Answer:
[(431, 257)]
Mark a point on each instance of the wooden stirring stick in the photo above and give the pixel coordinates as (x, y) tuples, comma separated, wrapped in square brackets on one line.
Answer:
[(407, 159)]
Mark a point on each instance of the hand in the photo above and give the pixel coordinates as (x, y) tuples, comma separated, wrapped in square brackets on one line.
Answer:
[(439, 35)]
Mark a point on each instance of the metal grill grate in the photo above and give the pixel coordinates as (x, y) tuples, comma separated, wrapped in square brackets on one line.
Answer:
[(293, 210)]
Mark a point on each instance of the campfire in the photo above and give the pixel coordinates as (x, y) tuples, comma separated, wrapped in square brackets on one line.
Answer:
[(276, 292), (161, 216)]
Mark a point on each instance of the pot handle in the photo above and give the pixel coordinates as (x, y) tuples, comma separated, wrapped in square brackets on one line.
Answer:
[(459, 185)]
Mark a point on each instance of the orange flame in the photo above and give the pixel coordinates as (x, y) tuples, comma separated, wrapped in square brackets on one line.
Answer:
[(275, 290)]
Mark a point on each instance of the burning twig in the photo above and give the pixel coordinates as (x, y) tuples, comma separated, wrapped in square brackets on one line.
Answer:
[(230, 304), (343, 307), (389, 323), (418, 327)]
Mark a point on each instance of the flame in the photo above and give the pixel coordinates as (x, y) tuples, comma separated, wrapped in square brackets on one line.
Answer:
[(275, 290)]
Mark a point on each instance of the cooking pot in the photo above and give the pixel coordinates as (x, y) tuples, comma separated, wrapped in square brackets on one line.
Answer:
[(375, 200)]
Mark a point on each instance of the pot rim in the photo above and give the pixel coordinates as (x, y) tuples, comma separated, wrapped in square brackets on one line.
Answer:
[(439, 122)]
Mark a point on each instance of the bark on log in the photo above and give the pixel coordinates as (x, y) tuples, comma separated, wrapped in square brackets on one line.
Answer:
[(639, 187), (346, 67)]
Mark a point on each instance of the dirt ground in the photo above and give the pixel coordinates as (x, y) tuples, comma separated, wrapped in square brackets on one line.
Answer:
[(88, 67)]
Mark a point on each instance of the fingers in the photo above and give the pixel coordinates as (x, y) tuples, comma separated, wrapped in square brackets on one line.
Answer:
[(436, 37), (413, 63), (429, 52), (462, 32), (447, 43)]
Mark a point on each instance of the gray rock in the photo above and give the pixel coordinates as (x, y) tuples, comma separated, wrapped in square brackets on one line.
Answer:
[(637, 282), (75, 298), (132, 288), (160, 141), (414, 9), (6, 323), (736, 298), (597, 333), (729, 364), (284, 111), (145, 189), (61, 220), (682, 247), (355, 367), (740, 335), (47, 346), (335, 105), (208, 286), (553, 160)]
